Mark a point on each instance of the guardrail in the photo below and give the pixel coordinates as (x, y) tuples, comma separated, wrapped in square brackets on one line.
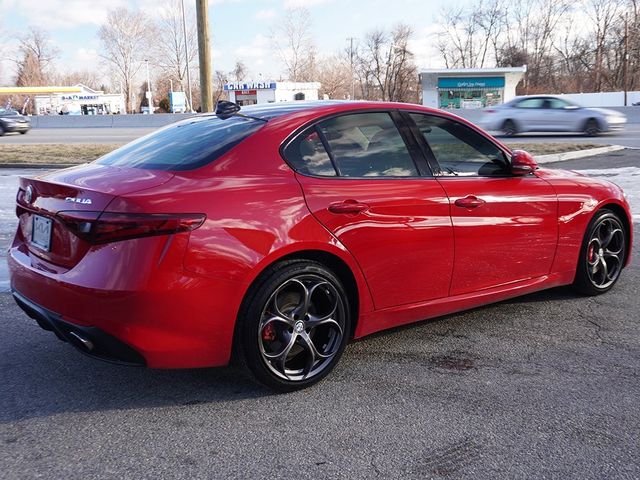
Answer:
[(106, 121), (162, 119)]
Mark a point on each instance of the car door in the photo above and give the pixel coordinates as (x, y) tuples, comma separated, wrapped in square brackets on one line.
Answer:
[(528, 114), (505, 226), (361, 181)]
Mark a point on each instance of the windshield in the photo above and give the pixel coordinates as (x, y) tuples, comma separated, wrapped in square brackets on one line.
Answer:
[(185, 145)]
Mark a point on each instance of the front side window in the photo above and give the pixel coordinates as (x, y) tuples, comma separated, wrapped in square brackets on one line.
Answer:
[(367, 145), (459, 150)]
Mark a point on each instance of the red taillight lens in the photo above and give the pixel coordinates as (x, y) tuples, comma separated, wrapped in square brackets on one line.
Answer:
[(96, 227)]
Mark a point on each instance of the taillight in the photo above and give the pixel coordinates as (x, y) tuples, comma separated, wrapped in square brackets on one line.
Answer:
[(489, 111), (96, 227)]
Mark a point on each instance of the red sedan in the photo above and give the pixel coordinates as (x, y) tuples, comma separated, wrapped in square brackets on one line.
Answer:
[(274, 234)]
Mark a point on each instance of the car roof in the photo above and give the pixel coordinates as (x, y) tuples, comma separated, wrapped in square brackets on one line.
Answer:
[(286, 109)]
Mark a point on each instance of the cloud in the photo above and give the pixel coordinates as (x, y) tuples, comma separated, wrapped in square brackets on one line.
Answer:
[(264, 14), (52, 14), (304, 3)]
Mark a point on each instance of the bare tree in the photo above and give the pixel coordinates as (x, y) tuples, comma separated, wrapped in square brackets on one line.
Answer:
[(471, 35), (294, 45), (385, 65), (89, 78), (334, 75), (603, 14), (125, 38), (239, 72), (169, 48), (35, 59)]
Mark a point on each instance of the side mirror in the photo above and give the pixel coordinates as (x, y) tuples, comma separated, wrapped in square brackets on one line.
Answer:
[(522, 163)]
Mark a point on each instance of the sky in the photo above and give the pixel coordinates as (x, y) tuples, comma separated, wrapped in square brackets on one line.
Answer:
[(241, 30)]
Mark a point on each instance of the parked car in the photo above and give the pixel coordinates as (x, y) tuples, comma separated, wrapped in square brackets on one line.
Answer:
[(275, 234), (542, 113), (12, 121)]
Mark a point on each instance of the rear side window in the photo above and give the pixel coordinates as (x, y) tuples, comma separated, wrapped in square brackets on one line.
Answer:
[(368, 145), (185, 145), (307, 155)]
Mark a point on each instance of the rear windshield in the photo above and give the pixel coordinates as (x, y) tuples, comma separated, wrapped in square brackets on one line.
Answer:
[(185, 145)]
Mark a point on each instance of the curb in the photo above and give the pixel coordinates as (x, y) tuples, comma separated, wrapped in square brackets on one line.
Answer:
[(563, 157), (49, 166)]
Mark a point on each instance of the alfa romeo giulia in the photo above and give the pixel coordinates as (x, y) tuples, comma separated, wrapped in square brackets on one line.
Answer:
[(273, 235)]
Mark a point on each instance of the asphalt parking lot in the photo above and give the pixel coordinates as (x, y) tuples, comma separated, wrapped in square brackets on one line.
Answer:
[(543, 386)]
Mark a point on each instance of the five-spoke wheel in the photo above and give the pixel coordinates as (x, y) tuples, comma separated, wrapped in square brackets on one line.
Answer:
[(295, 326), (603, 254)]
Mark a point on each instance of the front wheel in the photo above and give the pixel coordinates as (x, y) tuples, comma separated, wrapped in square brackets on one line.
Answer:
[(509, 128), (591, 128), (602, 254), (294, 325)]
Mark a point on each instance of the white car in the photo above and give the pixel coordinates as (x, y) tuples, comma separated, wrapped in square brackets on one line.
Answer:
[(543, 113)]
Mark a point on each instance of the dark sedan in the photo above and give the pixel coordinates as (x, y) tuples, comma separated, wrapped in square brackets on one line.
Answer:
[(12, 121)]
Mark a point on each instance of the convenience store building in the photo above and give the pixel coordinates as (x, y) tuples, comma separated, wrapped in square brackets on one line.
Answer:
[(469, 87)]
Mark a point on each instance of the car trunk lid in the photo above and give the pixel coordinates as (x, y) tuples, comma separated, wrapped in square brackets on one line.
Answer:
[(43, 202)]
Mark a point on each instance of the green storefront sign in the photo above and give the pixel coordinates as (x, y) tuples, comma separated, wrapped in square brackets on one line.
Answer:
[(471, 82), (470, 92)]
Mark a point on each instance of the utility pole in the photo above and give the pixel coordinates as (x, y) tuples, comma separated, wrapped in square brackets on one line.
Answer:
[(625, 63), (204, 54), (353, 84), (186, 56)]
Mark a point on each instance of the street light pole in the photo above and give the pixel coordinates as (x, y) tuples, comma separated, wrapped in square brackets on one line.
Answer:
[(186, 57), (353, 84), (149, 95), (625, 64)]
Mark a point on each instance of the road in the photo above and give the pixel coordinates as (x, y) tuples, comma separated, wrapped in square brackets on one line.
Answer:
[(630, 137), (544, 386)]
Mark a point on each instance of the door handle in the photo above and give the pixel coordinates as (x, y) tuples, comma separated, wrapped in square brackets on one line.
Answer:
[(469, 202), (348, 206)]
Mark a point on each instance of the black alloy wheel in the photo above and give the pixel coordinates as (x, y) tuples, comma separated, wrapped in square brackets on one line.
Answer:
[(602, 255), (294, 326)]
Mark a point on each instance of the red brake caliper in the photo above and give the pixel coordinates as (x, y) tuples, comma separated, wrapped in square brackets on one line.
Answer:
[(269, 333), (590, 256)]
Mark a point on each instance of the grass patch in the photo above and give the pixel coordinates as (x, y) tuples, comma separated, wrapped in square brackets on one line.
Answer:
[(56, 154), (52, 154), (550, 148)]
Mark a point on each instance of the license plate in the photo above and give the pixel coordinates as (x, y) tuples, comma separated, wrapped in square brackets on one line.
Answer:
[(41, 232)]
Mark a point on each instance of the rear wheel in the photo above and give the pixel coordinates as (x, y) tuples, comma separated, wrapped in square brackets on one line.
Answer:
[(23, 132), (1, 131), (591, 128), (509, 128), (294, 325), (602, 254)]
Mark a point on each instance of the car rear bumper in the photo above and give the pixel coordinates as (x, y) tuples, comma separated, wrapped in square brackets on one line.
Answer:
[(133, 309), (89, 340)]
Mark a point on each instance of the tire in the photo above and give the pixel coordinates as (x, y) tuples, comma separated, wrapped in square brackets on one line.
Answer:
[(602, 254), (1, 131), (591, 128), (509, 128), (284, 344), (23, 132)]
